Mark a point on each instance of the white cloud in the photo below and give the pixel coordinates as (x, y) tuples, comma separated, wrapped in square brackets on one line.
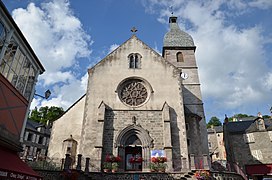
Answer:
[(59, 40), (55, 34), (64, 95), (231, 61), (113, 47), (262, 4)]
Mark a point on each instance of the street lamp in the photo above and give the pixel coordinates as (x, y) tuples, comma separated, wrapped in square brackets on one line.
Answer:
[(46, 94)]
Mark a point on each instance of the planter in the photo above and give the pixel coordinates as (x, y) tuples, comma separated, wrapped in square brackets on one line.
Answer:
[(161, 170), (114, 170), (106, 170)]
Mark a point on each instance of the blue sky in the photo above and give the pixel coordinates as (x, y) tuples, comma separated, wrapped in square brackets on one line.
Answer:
[(233, 39)]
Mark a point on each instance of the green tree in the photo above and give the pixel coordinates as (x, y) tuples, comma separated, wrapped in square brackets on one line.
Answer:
[(214, 121), (239, 116), (44, 114)]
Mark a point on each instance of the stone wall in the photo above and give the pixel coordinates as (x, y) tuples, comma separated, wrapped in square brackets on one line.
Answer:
[(244, 152), (68, 124), (80, 175), (116, 121)]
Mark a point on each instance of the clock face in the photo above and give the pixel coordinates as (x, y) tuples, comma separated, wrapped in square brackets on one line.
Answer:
[(184, 75)]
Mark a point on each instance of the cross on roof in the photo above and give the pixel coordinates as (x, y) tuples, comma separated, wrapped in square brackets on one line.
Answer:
[(134, 30)]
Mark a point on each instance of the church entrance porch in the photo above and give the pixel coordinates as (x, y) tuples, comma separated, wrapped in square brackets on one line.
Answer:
[(133, 144), (133, 158)]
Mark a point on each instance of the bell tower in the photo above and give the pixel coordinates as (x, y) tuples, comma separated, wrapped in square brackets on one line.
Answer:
[(179, 50)]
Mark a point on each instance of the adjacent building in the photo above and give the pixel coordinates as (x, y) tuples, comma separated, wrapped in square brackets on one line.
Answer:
[(139, 102), (216, 146), (249, 147), (19, 70), (36, 140)]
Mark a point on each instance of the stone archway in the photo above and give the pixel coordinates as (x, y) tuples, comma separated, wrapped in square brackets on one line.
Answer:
[(134, 136)]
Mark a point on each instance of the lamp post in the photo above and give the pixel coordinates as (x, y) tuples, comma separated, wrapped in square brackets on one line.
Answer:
[(46, 94)]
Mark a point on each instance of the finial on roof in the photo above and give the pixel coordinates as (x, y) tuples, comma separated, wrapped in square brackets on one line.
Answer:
[(226, 120), (134, 30), (171, 8)]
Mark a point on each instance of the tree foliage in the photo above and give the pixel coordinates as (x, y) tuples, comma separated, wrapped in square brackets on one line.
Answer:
[(214, 121), (44, 114), (239, 116)]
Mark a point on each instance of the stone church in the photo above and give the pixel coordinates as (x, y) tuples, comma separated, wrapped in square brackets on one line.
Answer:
[(138, 102)]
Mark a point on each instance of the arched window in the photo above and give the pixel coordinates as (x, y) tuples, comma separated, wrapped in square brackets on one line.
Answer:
[(180, 57), (134, 61)]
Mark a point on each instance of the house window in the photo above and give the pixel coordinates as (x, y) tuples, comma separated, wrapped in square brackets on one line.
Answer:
[(134, 61), (257, 154), (2, 35), (180, 57), (249, 138), (18, 69), (29, 137), (40, 140)]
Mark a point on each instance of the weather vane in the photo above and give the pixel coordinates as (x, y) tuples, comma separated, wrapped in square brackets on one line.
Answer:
[(171, 8), (133, 30)]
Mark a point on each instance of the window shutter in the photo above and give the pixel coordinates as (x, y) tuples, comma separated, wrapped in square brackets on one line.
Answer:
[(44, 140), (30, 150), (26, 135), (37, 139), (33, 138)]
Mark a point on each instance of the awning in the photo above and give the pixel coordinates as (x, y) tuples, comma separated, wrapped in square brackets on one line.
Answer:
[(12, 167), (261, 169)]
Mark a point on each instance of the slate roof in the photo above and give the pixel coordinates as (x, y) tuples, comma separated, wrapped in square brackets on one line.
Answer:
[(32, 125), (246, 126), (217, 129), (176, 37)]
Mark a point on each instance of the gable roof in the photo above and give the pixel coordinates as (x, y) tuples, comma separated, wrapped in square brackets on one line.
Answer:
[(246, 126), (71, 106), (145, 45), (32, 125), (217, 129)]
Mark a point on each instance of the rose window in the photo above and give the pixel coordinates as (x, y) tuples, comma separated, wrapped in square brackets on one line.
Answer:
[(133, 93)]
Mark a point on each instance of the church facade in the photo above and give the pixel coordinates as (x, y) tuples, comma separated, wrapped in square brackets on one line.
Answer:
[(138, 103)]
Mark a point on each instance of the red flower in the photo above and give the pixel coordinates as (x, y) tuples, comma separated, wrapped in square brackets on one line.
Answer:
[(154, 159), (158, 159), (108, 158), (112, 158), (118, 159), (135, 159)]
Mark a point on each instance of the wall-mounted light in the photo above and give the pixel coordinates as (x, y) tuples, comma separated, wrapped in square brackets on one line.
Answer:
[(46, 94)]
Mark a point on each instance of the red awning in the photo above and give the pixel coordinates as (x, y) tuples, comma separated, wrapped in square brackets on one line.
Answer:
[(264, 169), (12, 167)]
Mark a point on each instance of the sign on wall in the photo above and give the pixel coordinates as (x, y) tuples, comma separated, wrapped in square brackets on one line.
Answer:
[(157, 153)]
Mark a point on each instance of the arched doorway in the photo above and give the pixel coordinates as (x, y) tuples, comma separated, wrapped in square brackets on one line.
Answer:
[(133, 154), (134, 142)]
